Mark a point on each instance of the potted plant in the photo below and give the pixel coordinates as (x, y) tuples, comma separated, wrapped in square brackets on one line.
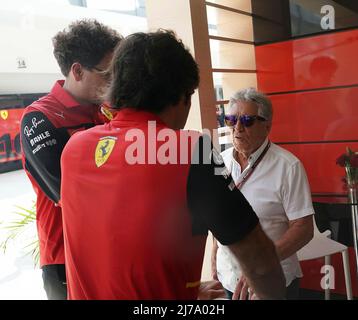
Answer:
[(24, 222)]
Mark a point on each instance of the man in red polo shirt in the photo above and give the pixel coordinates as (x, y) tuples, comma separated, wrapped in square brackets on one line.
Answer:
[(83, 53), (139, 194)]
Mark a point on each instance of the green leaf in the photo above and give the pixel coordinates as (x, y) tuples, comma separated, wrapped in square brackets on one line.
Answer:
[(24, 218)]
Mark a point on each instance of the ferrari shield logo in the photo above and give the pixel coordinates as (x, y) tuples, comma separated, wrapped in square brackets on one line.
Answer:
[(4, 114), (104, 149)]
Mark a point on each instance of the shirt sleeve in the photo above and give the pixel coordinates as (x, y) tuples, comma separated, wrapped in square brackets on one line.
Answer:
[(42, 145), (213, 199), (297, 200)]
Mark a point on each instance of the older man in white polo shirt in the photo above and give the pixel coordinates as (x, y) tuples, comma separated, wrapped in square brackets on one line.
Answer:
[(274, 182)]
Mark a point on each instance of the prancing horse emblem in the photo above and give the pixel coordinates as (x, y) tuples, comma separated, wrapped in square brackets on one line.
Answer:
[(4, 114), (104, 149)]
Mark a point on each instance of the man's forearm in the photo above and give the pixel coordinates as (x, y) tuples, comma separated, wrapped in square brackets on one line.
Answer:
[(296, 237), (260, 265), (289, 244)]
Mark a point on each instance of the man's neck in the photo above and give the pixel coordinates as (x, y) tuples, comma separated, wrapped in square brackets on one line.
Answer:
[(69, 88), (170, 117), (242, 157)]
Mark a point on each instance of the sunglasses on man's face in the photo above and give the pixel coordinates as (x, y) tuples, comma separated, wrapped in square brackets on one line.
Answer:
[(245, 120)]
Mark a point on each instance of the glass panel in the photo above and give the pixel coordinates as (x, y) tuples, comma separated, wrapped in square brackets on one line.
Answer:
[(271, 20), (229, 24), (282, 20), (231, 82), (318, 16), (244, 5), (231, 55)]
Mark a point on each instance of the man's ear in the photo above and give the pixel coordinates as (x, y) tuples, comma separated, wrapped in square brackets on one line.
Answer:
[(77, 71)]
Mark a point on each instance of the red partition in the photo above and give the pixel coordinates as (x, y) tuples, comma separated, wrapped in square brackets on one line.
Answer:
[(316, 117), (315, 62), (313, 85), (324, 175), (327, 115)]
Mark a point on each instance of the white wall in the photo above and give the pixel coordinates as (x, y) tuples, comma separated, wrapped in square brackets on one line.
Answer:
[(26, 30)]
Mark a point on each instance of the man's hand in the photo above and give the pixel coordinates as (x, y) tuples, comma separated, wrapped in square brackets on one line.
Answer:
[(210, 290), (243, 291), (257, 257)]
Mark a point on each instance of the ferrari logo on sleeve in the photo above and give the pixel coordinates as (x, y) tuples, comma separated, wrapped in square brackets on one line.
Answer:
[(104, 149), (4, 114)]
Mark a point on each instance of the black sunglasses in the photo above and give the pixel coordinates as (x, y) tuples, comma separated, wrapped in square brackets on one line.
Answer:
[(245, 120)]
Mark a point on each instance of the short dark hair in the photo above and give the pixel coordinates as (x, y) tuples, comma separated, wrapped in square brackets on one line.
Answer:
[(151, 71), (86, 42)]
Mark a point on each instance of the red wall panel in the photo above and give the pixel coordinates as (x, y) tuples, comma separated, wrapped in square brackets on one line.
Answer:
[(315, 62), (319, 160), (316, 116), (322, 115), (9, 135)]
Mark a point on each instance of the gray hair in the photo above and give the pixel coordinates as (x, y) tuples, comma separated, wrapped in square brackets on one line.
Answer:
[(252, 95)]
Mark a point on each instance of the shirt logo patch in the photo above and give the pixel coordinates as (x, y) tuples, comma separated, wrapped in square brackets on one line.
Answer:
[(4, 114), (108, 114), (104, 149)]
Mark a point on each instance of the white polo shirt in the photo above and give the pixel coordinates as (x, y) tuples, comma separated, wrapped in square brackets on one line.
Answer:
[(278, 191)]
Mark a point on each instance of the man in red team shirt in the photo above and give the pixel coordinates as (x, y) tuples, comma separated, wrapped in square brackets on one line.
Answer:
[(83, 53), (136, 209)]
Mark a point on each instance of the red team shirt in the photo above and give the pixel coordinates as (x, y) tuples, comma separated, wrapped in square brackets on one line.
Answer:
[(46, 126), (138, 231)]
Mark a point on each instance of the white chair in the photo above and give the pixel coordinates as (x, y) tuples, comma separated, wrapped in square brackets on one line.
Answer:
[(322, 246)]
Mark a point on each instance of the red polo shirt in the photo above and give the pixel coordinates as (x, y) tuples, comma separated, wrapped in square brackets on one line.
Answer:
[(130, 230), (46, 126)]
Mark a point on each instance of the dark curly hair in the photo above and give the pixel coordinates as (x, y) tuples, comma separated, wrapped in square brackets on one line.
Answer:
[(151, 71), (86, 42)]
